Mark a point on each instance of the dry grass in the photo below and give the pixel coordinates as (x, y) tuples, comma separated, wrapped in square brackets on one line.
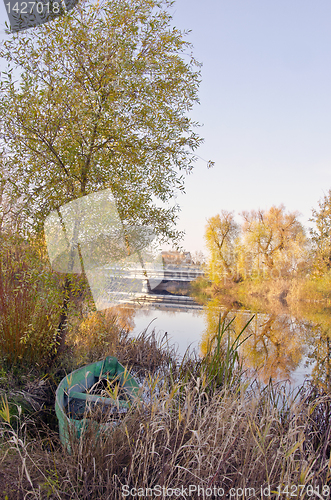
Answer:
[(105, 333), (29, 306), (180, 439), (183, 433)]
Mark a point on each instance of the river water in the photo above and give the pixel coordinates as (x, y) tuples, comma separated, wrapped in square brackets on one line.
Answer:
[(183, 328), (282, 345)]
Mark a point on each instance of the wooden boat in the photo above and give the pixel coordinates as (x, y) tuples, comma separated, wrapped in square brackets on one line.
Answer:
[(80, 391)]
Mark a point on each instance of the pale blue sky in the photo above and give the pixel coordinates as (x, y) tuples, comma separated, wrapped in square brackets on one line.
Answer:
[(265, 105)]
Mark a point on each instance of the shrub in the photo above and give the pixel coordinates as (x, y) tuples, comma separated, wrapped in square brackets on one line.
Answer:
[(29, 305)]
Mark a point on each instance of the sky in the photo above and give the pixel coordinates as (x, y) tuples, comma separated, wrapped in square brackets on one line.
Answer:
[(265, 106)]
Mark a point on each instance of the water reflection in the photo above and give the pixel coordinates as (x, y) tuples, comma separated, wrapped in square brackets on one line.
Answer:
[(285, 343), (274, 348), (318, 341), (183, 326)]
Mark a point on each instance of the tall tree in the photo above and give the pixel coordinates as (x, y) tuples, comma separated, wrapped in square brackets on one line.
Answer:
[(220, 236), (101, 101), (274, 240), (321, 234)]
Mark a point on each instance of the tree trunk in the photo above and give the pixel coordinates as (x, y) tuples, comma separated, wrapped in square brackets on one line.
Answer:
[(62, 329)]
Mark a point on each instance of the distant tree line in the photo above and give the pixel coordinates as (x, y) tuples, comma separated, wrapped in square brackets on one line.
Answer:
[(268, 244)]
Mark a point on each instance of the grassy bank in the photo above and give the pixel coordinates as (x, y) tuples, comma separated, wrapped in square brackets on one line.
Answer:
[(253, 293), (199, 425)]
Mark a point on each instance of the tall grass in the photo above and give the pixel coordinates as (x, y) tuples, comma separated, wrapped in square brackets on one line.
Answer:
[(222, 366), (226, 442), (28, 307), (187, 433)]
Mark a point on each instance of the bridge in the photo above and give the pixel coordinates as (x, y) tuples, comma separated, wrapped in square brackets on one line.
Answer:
[(165, 273), (129, 285), (167, 301), (182, 273)]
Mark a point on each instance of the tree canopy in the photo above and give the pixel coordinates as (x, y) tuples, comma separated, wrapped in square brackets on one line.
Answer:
[(268, 242), (321, 234), (101, 101), (221, 237), (274, 239)]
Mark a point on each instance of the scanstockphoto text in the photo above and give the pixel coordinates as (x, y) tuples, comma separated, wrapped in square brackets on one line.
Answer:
[(194, 490), (252, 267), (20, 8)]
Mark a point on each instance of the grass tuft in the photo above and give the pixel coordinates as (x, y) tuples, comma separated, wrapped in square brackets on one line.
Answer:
[(198, 424)]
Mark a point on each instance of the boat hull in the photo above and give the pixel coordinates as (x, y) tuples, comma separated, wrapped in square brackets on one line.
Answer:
[(74, 389)]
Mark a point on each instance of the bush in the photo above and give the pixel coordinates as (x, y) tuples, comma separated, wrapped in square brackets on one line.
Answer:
[(29, 305)]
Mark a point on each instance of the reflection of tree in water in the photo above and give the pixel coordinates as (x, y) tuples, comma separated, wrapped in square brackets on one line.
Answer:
[(279, 341), (125, 316), (317, 323), (212, 313), (275, 347), (319, 341)]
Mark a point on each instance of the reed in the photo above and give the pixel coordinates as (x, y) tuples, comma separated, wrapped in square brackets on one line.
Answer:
[(222, 366), (28, 308), (227, 442), (197, 426)]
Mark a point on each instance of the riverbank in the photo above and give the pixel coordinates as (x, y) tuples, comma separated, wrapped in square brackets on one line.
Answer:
[(200, 427), (251, 294)]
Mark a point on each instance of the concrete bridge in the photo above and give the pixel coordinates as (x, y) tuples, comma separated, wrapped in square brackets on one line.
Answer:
[(182, 273), (167, 301), (129, 286), (167, 273)]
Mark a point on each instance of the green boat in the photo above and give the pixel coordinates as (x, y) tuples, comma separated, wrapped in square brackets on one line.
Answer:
[(105, 385)]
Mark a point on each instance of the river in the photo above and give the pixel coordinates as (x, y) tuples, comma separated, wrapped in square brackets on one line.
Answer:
[(282, 344)]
